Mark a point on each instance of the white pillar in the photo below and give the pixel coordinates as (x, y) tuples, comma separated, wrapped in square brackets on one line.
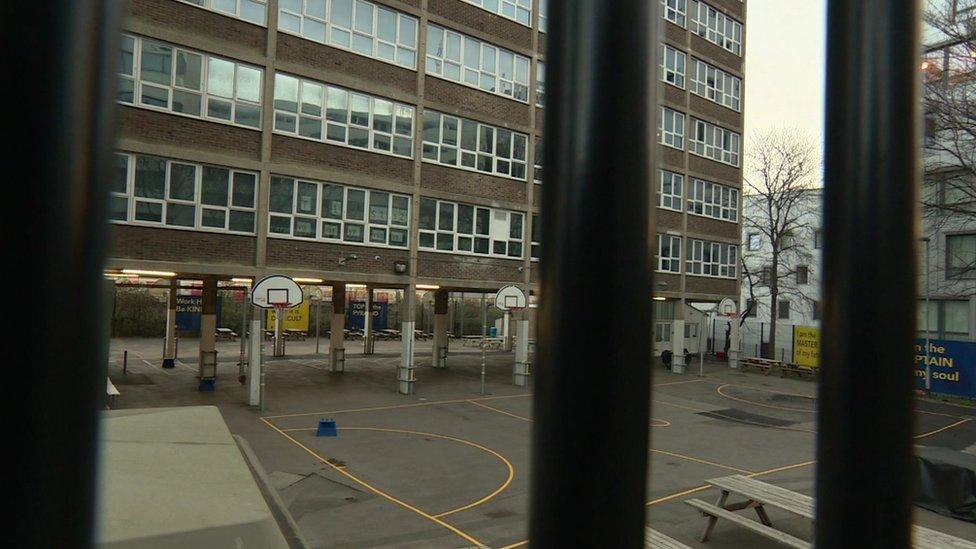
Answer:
[(405, 372), (368, 323), (440, 329), (678, 347), (506, 331), (169, 353), (735, 344), (254, 360), (521, 372)]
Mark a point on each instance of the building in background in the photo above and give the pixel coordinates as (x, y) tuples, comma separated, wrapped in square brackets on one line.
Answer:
[(948, 228), (396, 144)]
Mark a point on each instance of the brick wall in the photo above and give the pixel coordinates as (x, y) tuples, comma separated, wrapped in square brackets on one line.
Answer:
[(464, 182), (476, 104), (199, 23), (315, 154), (712, 170), (462, 267), (721, 230), (483, 21), (160, 127), (162, 244), (715, 286), (323, 256), (715, 113)]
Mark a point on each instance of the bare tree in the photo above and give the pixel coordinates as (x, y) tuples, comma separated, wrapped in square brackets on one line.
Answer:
[(949, 96), (782, 206)]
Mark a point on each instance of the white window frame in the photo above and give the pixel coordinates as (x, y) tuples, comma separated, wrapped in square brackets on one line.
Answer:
[(670, 263), (715, 142), (519, 11), (535, 246), (374, 136), (713, 200), (705, 259), (540, 84), (329, 30), (204, 94), (197, 201), (211, 5), (673, 137), (673, 66), (670, 190), (499, 230), (543, 15), (346, 219), (753, 246), (716, 85), (537, 158), (486, 70), (675, 11), (433, 151), (717, 28)]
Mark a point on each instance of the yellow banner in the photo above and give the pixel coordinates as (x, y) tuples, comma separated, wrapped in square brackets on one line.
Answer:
[(806, 346), (294, 319)]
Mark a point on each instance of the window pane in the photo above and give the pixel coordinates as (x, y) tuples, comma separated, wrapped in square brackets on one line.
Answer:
[(353, 233), (248, 84), (465, 223), (445, 220), (182, 181), (428, 213), (120, 174), (286, 93), (307, 198), (156, 63), (244, 185), (150, 177), (242, 221), (183, 215), (220, 77), (214, 186), (118, 208), (400, 213), (332, 202), (149, 211), (379, 207), (356, 206), (188, 70), (281, 196)]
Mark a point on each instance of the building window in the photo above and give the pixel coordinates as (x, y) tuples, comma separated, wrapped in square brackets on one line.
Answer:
[(674, 11), (782, 309), (673, 66), (817, 310), (717, 28), (766, 275), (302, 107), (802, 274), (669, 253), (818, 239), (716, 85), (671, 128), (159, 76), (470, 145), (516, 10), (361, 27), (536, 247), (715, 142), (752, 308), (469, 61), (754, 242), (543, 15), (537, 172), (326, 211), (160, 191), (669, 191), (714, 200), (712, 259), (255, 11), (540, 84), (961, 256), (465, 229)]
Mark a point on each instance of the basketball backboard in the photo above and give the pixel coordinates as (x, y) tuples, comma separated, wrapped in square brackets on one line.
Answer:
[(276, 291), (510, 298)]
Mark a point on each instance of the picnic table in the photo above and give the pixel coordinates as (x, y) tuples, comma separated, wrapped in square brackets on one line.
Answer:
[(226, 334), (292, 333), (760, 494), (111, 393), (656, 540)]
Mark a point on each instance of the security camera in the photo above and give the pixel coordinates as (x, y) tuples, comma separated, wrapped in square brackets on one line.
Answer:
[(350, 257), (522, 268), (376, 258)]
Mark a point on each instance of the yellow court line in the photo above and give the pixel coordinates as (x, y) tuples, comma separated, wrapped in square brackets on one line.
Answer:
[(676, 382), (703, 461), (946, 428), (754, 403), (394, 406), (707, 486), (654, 421), (500, 489), (377, 491), (514, 545)]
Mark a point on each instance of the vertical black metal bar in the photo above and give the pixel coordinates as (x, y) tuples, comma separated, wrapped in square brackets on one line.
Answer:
[(590, 437), (63, 98), (864, 475)]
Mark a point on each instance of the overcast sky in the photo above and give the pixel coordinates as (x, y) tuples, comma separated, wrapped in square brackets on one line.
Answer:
[(785, 66)]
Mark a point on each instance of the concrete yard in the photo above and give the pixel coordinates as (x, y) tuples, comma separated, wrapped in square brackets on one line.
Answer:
[(449, 467)]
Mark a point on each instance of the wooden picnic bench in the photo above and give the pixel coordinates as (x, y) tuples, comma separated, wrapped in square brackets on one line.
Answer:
[(226, 334), (656, 540), (760, 494), (292, 333), (765, 365)]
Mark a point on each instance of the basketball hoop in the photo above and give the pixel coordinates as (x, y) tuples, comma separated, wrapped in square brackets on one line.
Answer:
[(510, 299)]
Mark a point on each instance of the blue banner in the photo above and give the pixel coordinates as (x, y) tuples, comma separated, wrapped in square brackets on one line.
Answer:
[(953, 365), (354, 316), (188, 311)]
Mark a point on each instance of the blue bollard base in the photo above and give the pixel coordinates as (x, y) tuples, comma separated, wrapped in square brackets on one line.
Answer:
[(207, 385), (327, 428), (169, 363)]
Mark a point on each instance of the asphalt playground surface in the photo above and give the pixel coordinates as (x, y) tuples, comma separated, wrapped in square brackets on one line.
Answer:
[(449, 466)]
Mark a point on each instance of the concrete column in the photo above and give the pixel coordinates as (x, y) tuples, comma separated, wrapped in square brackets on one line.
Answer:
[(507, 331), (678, 347), (256, 355), (169, 351), (735, 344), (406, 377), (368, 323), (208, 329), (440, 328), (279, 336), (521, 371), (337, 339)]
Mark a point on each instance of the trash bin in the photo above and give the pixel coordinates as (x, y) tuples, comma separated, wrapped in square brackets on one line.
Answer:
[(493, 332)]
